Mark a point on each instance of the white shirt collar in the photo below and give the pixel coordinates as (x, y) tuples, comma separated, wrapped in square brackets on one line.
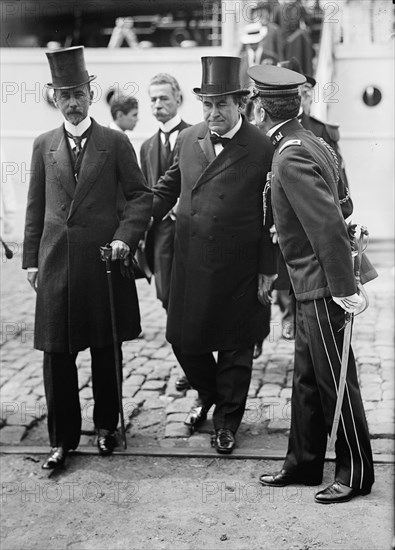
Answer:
[(233, 131), (80, 128), (114, 126), (276, 127), (170, 124)]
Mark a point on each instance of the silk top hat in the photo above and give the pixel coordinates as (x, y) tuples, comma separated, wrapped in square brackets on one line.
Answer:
[(68, 68), (294, 65), (273, 81), (220, 76)]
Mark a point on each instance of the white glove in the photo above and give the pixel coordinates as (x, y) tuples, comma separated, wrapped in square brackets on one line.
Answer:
[(351, 304)]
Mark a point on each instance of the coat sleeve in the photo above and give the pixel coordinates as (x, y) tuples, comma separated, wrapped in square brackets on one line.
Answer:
[(137, 208), (319, 214), (143, 162), (35, 210), (168, 188)]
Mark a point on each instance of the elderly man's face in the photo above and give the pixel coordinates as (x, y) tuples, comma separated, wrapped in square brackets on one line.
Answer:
[(74, 103), (221, 113), (164, 102)]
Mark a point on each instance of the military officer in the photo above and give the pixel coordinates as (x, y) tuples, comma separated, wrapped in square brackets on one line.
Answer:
[(314, 242)]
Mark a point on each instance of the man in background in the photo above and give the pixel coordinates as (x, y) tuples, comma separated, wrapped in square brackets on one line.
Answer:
[(156, 156)]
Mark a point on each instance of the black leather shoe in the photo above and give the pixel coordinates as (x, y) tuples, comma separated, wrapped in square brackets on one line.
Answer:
[(106, 442), (196, 416), (283, 478), (182, 384), (224, 441), (337, 492), (56, 458)]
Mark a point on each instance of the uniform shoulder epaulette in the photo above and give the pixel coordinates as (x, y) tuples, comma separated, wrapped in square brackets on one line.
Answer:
[(288, 144)]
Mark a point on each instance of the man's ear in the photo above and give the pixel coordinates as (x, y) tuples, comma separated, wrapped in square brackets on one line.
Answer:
[(91, 97)]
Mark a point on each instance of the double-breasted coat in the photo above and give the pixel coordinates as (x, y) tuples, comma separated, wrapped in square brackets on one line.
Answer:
[(221, 243), (66, 223)]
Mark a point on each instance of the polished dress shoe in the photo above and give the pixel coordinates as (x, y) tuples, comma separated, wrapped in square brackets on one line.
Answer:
[(106, 442), (56, 458), (224, 441), (337, 492), (182, 384), (196, 416), (283, 478)]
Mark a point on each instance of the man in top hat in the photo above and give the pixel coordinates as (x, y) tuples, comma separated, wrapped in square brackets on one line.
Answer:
[(79, 173), (315, 244), (156, 156), (223, 259)]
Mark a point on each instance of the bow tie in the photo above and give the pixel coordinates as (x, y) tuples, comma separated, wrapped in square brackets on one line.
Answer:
[(218, 139)]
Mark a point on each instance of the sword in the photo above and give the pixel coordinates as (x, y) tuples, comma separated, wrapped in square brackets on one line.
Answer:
[(358, 246), (105, 253), (8, 252)]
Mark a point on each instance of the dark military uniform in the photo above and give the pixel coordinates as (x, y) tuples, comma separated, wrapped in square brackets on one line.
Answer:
[(315, 245)]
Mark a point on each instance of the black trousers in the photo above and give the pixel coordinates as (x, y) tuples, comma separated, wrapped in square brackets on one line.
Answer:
[(62, 395), (224, 383), (318, 351), (164, 233)]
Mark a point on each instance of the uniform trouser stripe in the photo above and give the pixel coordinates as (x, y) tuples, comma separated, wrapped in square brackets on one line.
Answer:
[(316, 374), (333, 375), (349, 402)]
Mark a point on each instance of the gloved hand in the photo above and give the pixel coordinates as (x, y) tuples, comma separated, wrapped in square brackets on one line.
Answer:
[(351, 304)]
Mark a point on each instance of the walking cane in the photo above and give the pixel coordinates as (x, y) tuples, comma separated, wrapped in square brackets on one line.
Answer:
[(349, 319), (105, 253)]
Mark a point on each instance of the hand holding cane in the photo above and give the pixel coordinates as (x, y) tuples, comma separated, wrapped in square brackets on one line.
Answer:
[(105, 253)]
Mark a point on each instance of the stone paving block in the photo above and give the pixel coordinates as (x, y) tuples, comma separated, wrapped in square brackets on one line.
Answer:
[(371, 393), (286, 393), (174, 429), (192, 394), (160, 372), (200, 441), (176, 417), (182, 405), (130, 391), (380, 429), (12, 435), (269, 390), (153, 385), (155, 403), (281, 425), (135, 380), (273, 377), (144, 369), (161, 353)]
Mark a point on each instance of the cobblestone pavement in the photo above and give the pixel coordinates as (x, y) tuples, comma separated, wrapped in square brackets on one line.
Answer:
[(154, 410)]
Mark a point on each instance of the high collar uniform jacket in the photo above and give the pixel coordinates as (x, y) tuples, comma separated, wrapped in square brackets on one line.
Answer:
[(66, 223), (221, 243), (312, 232)]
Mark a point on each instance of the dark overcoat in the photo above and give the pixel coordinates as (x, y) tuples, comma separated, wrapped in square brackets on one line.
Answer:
[(67, 222), (221, 243)]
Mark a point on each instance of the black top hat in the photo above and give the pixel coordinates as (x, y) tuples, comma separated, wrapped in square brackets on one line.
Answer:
[(294, 65), (220, 76), (68, 68)]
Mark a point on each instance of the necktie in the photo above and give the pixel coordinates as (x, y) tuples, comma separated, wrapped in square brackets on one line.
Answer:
[(219, 139), (78, 141), (167, 139)]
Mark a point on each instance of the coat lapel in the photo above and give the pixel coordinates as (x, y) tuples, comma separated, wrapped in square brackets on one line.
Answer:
[(60, 157), (92, 163), (232, 153)]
